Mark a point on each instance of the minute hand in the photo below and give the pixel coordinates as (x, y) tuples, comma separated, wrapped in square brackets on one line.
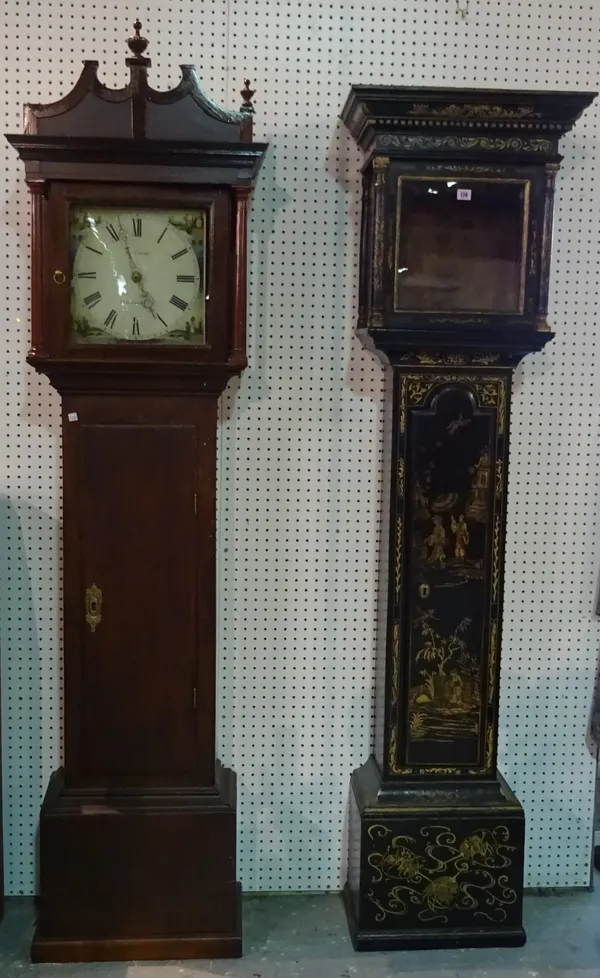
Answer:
[(124, 236), (147, 299)]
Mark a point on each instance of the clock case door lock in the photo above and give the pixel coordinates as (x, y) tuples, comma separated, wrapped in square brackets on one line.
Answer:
[(93, 607)]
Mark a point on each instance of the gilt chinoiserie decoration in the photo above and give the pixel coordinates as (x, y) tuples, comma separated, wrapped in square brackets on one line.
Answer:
[(458, 190), (139, 212)]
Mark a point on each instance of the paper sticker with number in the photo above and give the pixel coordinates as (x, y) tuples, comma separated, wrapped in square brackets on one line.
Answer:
[(463, 194)]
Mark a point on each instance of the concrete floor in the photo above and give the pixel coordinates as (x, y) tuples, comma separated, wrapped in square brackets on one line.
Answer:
[(306, 937)]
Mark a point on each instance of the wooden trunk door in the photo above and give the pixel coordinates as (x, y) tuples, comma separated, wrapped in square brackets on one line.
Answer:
[(141, 688)]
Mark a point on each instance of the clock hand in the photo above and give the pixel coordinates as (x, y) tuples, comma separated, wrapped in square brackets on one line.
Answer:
[(147, 301), (123, 236), (136, 275)]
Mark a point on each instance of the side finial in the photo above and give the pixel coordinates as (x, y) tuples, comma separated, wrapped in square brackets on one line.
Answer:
[(137, 44), (247, 96)]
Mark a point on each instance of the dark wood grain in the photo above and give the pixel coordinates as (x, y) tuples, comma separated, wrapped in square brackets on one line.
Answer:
[(137, 833), (139, 949), (241, 196), (113, 160), (38, 205), (137, 874), (141, 546), (138, 111)]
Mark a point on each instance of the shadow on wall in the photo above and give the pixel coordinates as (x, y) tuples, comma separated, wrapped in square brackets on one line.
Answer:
[(303, 314), (542, 747), (279, 832), (290, 824), (269, 200), (344, 161), (30, 710)]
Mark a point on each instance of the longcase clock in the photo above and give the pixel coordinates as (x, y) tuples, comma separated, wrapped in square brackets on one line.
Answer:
[(139, 208), (458, 190)]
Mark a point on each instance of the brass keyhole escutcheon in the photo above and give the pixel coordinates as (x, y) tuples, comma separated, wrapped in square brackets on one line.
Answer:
[(59, 277), (424, 590), (93, 604)]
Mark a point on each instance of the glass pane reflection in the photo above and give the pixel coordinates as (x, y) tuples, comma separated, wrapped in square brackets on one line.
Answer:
[(461, 245)]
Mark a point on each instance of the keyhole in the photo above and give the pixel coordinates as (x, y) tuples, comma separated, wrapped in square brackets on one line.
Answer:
[(424, 590)]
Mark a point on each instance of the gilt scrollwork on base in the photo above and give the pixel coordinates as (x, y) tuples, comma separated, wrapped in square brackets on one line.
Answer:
[(440, 875)]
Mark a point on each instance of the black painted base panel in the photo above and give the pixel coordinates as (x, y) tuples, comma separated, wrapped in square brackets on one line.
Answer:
[(142, 877), (407, 940), (434, 865)]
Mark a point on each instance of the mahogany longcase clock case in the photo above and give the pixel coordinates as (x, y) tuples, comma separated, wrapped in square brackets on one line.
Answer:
[(458, 189), (139, 207)]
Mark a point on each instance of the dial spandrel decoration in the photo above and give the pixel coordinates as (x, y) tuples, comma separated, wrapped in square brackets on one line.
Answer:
[(139, 276)]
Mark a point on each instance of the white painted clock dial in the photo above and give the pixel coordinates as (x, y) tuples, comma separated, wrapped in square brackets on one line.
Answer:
[(136, 276)]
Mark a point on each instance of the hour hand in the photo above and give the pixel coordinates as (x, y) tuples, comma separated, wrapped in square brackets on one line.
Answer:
[(148, 303), (136, 275), (137, 278)]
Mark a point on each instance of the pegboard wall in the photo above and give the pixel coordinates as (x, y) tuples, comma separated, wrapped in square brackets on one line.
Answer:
[(300, 436)]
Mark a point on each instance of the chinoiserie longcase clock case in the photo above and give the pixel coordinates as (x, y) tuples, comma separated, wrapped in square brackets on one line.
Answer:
[(139, 204), (458, 191)]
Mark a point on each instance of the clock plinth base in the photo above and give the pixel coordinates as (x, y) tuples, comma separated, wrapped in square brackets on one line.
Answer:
[(144, 949), (142, 877), (434, 865)]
